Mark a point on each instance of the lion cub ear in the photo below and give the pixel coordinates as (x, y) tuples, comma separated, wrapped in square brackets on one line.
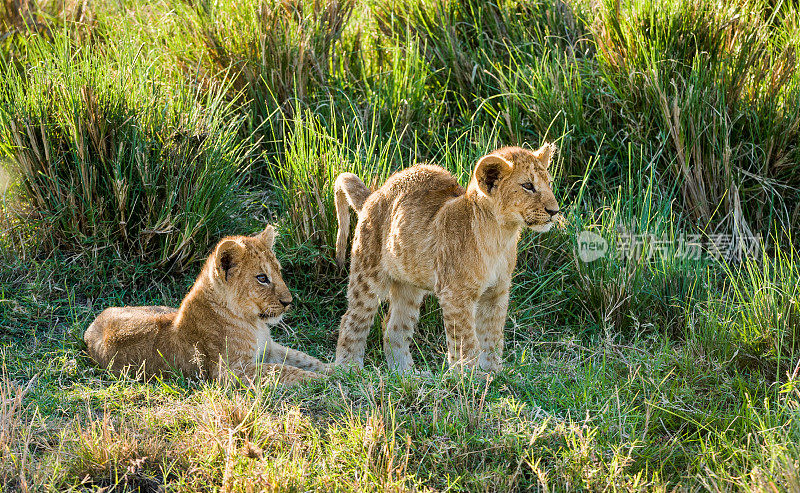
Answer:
[(267, 236), (545, 153), (227, 254), (489, 170)]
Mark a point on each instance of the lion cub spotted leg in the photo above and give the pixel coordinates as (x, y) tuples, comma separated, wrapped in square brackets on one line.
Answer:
[(398, 329), (490, 318), (362, 305), (283, 355), (458, 312)]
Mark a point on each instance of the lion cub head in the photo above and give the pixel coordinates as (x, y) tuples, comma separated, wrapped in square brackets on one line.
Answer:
[(246, 271), (518, 183)]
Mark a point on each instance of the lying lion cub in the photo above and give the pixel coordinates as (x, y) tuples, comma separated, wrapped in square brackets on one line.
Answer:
[(422, 232), (224, 319)]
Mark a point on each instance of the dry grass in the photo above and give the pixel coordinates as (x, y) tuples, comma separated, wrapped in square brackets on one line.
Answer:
[(16, 424)]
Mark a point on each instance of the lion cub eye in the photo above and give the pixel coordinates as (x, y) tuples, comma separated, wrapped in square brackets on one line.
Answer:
[(529, 187), (262, 278)]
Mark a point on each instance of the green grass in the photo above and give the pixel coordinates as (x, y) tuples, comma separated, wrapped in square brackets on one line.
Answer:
[(109, 158), (135, 134), (575, 408)]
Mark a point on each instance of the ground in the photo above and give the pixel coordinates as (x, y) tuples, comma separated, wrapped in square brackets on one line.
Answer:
[(574, 408)]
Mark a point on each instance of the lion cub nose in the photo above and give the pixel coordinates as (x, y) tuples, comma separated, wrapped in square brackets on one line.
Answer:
[(286, 303), (552, 212)]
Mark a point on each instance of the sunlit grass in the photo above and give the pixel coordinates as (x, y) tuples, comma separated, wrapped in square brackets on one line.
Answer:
[(137, 133)]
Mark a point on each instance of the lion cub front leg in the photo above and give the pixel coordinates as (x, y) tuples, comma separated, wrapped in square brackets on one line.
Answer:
[(290, 375), (458, 311), (249, 372), (283, 355), (490, 320)]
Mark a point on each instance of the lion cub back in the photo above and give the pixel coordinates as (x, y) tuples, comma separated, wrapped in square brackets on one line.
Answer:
[(406, 207), (126, 334), (430, 185), (412, 198)]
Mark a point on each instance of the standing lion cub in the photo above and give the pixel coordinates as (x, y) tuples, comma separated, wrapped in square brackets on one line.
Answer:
[(421, 232), (223, 321)]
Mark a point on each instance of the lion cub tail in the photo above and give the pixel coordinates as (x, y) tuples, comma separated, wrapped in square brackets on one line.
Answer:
[(348, 189)]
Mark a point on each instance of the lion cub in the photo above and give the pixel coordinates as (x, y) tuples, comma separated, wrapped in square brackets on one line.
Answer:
[(225, 319), (421, 232)]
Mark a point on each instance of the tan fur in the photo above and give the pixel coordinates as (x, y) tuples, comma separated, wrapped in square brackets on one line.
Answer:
[(347, 189), (421, 232), (224, 321)]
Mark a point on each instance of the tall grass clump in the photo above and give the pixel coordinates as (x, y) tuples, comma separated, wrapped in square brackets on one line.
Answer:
[(754, 322), (526, 68), (315, 155), (463, 40), (646, 277), (646, 281), (398, 95), (277, 53), (20, 19), (722, 80), (110, 159)]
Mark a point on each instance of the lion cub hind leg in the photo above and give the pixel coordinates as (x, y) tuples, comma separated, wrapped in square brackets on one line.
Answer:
[(362, 305), (125, 335), (398, 327)]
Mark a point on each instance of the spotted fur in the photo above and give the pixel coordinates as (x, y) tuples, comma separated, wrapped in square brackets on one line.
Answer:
[(420, 233)]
